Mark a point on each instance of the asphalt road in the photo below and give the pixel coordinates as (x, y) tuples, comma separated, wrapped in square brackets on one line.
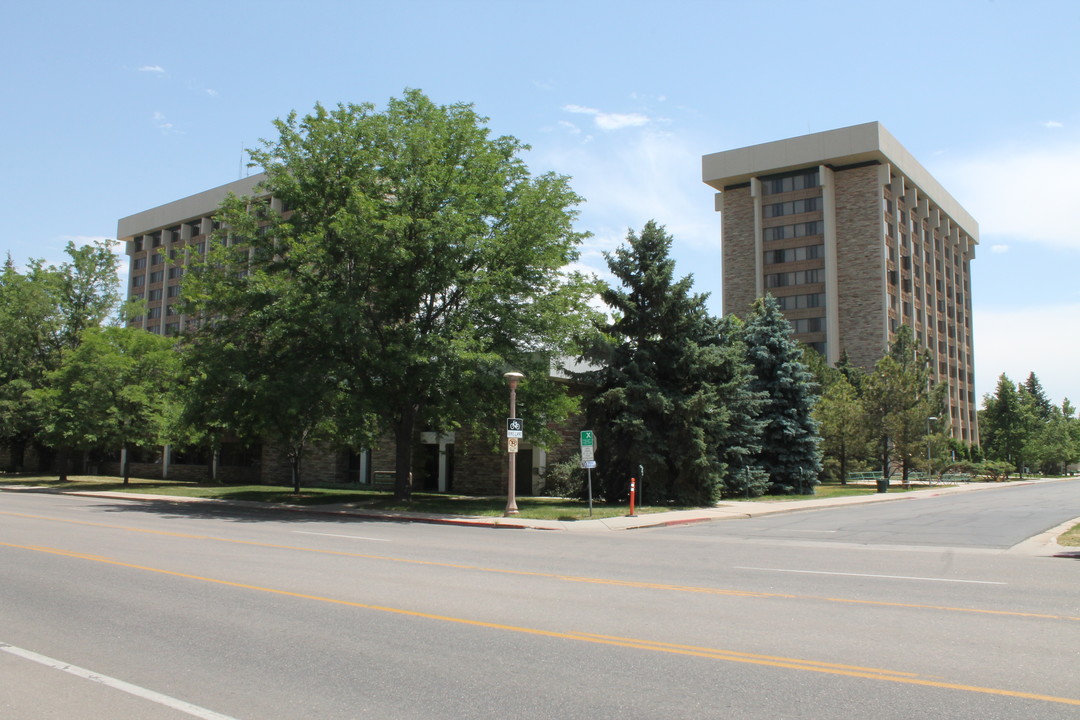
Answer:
[(918, 609)]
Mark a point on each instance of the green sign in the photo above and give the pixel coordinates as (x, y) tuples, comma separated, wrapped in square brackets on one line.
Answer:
[(587, 438)]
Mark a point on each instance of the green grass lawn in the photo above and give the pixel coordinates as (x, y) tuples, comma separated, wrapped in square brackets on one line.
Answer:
[(538, 508), (1070, 538)]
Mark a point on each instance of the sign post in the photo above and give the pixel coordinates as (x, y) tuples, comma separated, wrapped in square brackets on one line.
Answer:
[(514, 430), (588, 461)]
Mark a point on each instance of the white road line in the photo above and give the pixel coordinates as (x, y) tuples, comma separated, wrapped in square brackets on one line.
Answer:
[(887, 577), (171, 702), (353, 537)]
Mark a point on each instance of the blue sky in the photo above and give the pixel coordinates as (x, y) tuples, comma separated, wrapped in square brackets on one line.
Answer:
[(111, 108)]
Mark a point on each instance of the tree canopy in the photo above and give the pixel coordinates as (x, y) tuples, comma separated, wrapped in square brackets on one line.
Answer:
[(420, 255)]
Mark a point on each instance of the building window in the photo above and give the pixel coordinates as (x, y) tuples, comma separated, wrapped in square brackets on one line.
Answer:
[(139, 264), (792, 208), (154, 295), (172, 291), (138, 242), (157, 259), (138, 280), (807, 252), (172, 328), (170, 310), (175, 272), (801, 302), (808, 325), (153, 313), (782, 232), (787, 183), (799, 277)]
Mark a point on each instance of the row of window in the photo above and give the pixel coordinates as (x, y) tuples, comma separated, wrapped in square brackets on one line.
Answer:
[(782, 232), (808, 325), (793, 207), (802, 302), (806, 252), (156, 276), (799, 277), (789, 183)]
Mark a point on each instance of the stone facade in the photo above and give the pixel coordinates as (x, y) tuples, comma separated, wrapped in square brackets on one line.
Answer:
[(860, 266), (738, 251)]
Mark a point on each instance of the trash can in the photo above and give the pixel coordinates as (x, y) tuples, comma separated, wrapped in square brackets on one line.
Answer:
[(883, 485)]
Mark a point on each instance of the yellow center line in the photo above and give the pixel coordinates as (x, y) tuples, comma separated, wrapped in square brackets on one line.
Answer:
[(634, 643), (641, 585)]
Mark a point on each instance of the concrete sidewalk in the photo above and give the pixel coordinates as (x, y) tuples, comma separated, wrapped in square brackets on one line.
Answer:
[(722, 511)]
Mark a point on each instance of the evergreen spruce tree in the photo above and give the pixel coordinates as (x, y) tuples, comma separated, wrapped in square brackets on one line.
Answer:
[(1007, 423), (790, 452), (669, 394), (1037, 397)]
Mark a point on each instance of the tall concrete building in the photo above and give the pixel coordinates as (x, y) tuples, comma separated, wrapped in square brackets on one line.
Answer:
[(854, 238), (159, 242)]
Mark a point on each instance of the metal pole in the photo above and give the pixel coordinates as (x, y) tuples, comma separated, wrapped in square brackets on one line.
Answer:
[(929, 467), (511, 499), (590, 491)]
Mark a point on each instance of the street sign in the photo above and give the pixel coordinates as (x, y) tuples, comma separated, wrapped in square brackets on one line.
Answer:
[(515, 428), (588, 464), (588, 444), (511, 445)]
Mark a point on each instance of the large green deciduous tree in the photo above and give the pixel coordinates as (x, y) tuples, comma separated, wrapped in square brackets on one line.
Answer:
[(420, 256), (843, 427), (790, 452), (667, 391), (898, 399), (43, 313), (110, 391)]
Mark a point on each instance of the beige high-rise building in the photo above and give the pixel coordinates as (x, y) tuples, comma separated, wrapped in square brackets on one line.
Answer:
[(854, 238)]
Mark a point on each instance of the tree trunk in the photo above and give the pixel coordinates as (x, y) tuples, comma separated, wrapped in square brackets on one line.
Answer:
[(403, 434), (18, 454), (126, 470), (296, 471), (843, 464), (62, 461)]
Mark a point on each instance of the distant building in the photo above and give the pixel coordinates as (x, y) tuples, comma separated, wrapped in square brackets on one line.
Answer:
[(854, 238)]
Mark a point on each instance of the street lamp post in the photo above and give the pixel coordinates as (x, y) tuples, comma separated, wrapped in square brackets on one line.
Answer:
[(511, 500), (929, 466)]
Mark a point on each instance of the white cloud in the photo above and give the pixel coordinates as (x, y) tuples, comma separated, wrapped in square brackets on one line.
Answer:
[(211, 92), (636, 176), (610, 121), (1024, 194), (1030, 340), (998, 249), (152, 69), (1053, 124), (617, 121), (569, 127), (162, 123)]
